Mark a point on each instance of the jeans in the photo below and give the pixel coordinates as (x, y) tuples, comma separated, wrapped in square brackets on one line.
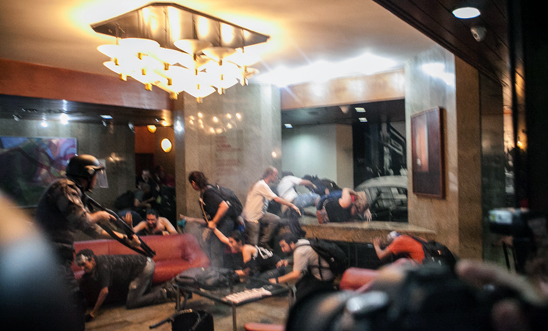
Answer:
[(138, 296), (305, 200), (210, 244), (261, 279), (214, 247), (269, 222)]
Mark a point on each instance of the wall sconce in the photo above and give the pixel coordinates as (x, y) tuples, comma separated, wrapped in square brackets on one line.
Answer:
[(151, 128), (166, 145)]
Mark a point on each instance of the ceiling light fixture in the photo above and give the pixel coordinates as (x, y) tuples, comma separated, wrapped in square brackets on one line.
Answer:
[(166, 145), (151, 128), (363, 119), (360, 110), (106, 117), (64, 119), (466, 12), (179, 49), (288, 126)]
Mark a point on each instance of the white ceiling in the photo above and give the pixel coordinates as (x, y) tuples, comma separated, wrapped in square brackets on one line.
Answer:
[(57, 32)]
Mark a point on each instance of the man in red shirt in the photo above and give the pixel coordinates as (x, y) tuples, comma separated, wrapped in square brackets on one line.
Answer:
[(399, 244)]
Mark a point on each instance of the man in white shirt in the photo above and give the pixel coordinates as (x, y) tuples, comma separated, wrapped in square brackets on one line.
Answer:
[(286, 190), (255, 214)]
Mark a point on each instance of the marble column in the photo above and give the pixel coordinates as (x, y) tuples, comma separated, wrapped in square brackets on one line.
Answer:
[(436, 78), (231, 138)]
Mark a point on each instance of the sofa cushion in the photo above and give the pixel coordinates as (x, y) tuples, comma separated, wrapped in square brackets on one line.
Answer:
[(167, 269), (174, 254), (355, 278)]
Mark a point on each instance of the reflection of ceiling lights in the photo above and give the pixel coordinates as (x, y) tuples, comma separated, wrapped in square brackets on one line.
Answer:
[(151, 128), (214, 124), (178, 49), (366, 64)]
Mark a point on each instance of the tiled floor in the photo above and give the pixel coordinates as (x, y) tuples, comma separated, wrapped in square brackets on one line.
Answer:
[(116, 317)]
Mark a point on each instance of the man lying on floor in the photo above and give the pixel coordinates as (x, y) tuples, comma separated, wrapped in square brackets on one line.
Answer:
[(121, 274)]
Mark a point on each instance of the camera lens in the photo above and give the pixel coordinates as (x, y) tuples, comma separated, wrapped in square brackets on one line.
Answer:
[(367, 304)]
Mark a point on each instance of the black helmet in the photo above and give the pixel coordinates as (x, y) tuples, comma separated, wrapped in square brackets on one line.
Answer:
[(83, 166)]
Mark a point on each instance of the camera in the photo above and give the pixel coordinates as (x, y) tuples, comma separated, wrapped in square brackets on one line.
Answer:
[(527, 229), (478, 32), (430, 297)]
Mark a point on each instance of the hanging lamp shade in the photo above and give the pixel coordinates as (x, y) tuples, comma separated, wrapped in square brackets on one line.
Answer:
[(192, 46), (219, 53), (171, 56), (156, 38)]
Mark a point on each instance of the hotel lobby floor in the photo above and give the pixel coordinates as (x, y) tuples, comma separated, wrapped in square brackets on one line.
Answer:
[(116, 317)]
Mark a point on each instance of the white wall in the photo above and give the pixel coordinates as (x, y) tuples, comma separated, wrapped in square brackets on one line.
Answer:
[(345, 159), (322, 150)]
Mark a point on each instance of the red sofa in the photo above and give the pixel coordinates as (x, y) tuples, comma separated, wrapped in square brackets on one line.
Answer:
[(174, 254), (357, 279), (353, 279)]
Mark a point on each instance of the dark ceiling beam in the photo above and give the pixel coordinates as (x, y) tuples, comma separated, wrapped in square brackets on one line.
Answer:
[(435, 20)]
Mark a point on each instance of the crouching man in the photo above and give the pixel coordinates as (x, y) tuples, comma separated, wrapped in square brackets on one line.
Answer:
[(311, 272), (131, 274)]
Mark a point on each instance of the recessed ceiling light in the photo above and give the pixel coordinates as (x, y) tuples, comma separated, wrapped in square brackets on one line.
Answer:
[(360, 110), (288, 126), (466, 12), (106, 117), (362, 119)]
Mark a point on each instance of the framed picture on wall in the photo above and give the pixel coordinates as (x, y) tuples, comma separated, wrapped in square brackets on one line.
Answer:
[(29, 164), (427, 153)]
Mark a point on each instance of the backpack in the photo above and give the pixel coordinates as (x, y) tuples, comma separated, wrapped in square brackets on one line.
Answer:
[(210, 278), (125, 200), (322, 184), (434, 252), (235, 207), (332, 253)]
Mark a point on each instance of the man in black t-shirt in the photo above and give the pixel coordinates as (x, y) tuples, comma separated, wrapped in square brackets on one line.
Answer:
[(131, 274), (214, 209)]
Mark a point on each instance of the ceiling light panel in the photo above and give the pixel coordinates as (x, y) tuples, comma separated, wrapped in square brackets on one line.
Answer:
[(466, 12)]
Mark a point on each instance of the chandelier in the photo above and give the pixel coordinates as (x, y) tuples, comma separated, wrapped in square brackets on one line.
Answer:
[(178, 49)]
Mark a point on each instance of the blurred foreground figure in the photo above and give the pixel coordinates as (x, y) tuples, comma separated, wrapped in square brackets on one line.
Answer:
[(409, 297), (62, 210), (32, 294)]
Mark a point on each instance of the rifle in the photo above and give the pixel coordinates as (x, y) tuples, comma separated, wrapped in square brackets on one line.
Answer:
[(119, 223)]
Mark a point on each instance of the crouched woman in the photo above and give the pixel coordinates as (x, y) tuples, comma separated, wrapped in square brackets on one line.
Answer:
[(259, 263)]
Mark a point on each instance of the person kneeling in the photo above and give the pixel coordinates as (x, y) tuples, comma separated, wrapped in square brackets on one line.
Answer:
[(131, 274), (310, 271), (260, 263)]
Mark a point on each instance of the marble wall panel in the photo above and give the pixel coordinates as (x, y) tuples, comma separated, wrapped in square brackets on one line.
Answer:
[(436, 78), (232, 138)]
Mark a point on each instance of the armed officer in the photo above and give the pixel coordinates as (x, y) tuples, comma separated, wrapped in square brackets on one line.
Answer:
[(62, 210)]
